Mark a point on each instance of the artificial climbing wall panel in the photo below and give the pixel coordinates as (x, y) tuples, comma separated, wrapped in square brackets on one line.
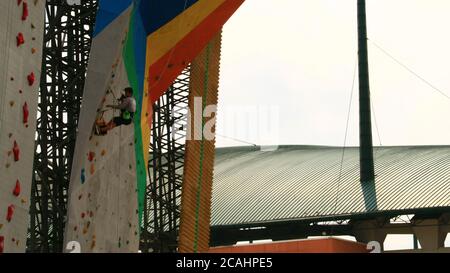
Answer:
[(102, 209), (199, 156), (21, 36)]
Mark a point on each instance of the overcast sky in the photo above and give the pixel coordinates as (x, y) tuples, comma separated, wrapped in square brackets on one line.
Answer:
[(294, 60)]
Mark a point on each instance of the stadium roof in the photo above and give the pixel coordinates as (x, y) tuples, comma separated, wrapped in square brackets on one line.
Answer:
[(302, 182)]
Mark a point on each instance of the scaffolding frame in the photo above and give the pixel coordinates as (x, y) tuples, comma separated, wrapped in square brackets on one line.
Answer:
[(67, 43)]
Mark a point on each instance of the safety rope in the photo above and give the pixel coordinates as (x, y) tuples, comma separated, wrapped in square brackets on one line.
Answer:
[(202, 146)]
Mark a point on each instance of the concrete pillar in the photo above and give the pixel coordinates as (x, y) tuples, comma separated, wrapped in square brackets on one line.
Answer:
[(430, 234), (368, 231)]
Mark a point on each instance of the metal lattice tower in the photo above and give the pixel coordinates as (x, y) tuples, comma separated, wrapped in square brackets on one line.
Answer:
[(67, 42), (166, 162)]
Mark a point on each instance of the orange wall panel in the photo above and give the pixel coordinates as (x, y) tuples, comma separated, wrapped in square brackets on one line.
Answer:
[(329, 245)]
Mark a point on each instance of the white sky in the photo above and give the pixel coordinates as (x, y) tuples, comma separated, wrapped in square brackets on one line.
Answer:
[(299, 55)]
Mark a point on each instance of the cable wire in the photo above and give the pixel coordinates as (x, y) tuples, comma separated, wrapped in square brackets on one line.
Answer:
[(409, 69), (238, 140), (345, 139)]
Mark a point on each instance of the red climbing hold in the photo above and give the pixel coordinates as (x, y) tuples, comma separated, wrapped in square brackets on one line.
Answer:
[(26, 113), (2, 243), (16, 151), (16, 191), (31, 78), (10, 213), (25, 11), (20, 39), (91, 156), (83, 214), (19, 2)]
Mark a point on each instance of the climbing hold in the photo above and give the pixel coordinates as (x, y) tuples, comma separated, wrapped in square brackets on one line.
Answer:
[(10, 213), (92, 244), (33, 50), (92, 170), (75, 228), (19, 2), (32, 26), (10, 135), (26, 113), (12, 78), (2, 244), (83, 176), (11, 103), (103, 152), (24, 11), (20, 39), (31, 78), (20, 91), (83, 215), (91, 156), (7, 165), (16, 151), (35, 2), (80, 196), (23, 200), (16, 191)]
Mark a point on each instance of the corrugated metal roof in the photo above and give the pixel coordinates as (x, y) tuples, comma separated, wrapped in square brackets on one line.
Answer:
[(300, 182)]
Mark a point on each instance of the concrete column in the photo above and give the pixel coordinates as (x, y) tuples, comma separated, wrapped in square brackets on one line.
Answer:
[(370, 230), (430, 234)]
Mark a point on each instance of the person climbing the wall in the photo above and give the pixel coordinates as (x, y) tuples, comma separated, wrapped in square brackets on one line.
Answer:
[(127, 109)]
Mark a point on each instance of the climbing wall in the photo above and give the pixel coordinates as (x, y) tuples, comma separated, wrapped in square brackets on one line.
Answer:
[(105, 210), (199, 156), (102, 214), (21, 36)]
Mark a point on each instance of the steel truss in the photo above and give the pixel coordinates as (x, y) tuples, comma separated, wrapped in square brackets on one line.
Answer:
[(166, 161), (67, 42)]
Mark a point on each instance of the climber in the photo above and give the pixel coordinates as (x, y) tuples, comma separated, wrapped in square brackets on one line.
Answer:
[(127, 108)]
